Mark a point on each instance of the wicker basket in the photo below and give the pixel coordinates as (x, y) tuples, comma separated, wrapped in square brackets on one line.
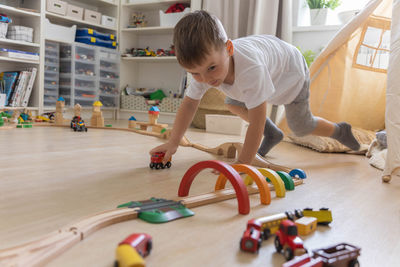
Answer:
[(213, 102)]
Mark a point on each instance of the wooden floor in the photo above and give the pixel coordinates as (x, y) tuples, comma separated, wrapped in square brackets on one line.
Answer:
[(51, 177)]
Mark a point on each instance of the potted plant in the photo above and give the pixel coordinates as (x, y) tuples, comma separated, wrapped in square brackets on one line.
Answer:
[(319, 10)]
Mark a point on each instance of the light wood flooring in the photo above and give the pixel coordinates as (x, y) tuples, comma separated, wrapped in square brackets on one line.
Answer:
[(51, 177)]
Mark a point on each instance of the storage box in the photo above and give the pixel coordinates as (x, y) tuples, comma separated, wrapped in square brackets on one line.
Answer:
[(3, 29), (2, 100), (92, 16), (96, 41), (108, 21), (20, 33), (56, 6), (171, 19), (75, 11), (226, 124), (59, 33)]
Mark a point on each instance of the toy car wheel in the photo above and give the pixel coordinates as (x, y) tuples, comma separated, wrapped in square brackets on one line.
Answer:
[(266, 233), (354, 263), (151, 165), (288, 254), (74, 129), (85, 129), (158, 166), (277, 244), (298, 213), (149, 246), (163, 166), (168, 164), (290, 215)]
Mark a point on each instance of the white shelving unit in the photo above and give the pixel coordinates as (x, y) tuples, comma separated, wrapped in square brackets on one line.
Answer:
[(149, 72), (29, 15)]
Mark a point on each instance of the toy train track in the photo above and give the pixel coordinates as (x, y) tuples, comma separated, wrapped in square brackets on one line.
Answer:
[(41, 251)]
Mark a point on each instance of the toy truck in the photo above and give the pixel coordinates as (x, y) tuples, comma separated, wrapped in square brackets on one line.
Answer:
[(287, 240), (339, 255), (131, 251), (261, 228), (323, 215), (156, 161)]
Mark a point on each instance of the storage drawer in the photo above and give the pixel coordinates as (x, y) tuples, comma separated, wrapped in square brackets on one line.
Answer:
[(75, 12), (56, 6), (92, 16)]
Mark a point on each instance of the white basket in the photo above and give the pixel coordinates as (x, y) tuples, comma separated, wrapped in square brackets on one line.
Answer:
[(226, 124), (171, 19), (59, 33), (3, 29), (20, 33)]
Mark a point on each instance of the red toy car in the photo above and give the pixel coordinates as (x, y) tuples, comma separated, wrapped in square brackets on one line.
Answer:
[(156, 161), (287, 239), (141, 242)]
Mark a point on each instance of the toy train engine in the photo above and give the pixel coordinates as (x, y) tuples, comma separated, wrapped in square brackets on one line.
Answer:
[(156, 161), (287, 240), (131, 251)]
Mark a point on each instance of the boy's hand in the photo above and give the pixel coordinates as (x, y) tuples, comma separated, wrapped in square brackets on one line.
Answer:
[(167, 148)]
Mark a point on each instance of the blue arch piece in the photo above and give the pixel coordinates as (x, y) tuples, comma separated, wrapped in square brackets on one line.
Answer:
[(298, 173)]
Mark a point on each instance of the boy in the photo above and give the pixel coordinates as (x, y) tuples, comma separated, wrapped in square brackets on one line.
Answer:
[(251, 71)]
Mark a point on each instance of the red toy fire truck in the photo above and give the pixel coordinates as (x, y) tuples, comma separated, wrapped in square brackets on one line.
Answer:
[(287, 239)]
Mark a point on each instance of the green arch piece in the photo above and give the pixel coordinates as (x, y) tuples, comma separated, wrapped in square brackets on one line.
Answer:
[(287, 179)]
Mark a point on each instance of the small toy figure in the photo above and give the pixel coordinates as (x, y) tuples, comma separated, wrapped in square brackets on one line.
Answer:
[(156, 161), (287, 239), (130, 251)]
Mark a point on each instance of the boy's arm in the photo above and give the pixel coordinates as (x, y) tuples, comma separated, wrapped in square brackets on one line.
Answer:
[(183, 118), (254, 133)]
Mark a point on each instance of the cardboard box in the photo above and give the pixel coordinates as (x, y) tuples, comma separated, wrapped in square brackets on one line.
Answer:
[(108, 21), (226, 124), (56, 6), (171, 19), (92, 16), (75, 12)]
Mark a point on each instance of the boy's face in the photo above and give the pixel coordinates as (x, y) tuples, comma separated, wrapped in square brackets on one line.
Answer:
[(214, 69)]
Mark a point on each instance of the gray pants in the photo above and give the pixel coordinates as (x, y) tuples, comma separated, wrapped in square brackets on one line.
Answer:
[(298, 113)]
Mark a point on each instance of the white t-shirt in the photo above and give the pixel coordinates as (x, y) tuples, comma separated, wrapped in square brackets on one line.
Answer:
[(266, 69)]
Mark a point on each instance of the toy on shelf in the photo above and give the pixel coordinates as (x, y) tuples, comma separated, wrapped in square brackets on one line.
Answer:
[(287, 240), (59, 118), (342, 254), (137, 20), (97, 119), (323, 215), (131, 251), (156, 161)]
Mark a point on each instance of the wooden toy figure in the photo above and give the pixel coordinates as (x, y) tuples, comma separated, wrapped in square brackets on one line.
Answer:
[(97, 119), (154, 112), (132, 123), (77, 110), (59, 119)]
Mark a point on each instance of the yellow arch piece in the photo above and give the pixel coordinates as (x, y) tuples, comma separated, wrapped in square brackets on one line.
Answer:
[(279, 185), (265, 194)]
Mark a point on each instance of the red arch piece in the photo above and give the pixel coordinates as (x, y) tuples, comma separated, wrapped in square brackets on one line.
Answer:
[(225, 169)]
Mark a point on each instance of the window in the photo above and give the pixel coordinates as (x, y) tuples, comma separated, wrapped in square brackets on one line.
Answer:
[(372, 52)]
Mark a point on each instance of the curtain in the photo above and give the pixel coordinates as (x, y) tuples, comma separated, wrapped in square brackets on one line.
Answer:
[(247, 17)]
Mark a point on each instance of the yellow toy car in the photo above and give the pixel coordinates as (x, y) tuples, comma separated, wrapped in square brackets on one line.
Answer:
[(127, 256)]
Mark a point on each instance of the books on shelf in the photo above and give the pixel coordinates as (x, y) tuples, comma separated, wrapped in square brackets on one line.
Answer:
[(11, 53), (18, 86)]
